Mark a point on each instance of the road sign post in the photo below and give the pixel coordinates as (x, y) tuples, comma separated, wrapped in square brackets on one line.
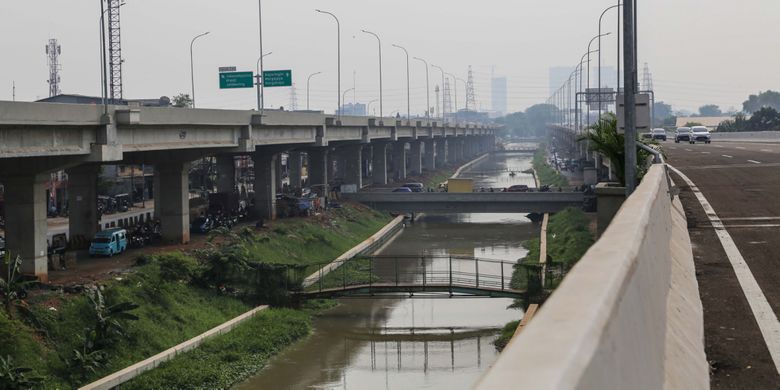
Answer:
[(230, 80), (277, 78)]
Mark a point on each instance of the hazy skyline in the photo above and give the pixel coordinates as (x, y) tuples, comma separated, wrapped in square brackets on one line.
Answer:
[(698, 52)]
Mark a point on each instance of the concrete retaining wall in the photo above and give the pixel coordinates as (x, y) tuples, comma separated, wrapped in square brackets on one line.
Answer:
[(627, 316), (748, 136), (369, 245), (131, 372)]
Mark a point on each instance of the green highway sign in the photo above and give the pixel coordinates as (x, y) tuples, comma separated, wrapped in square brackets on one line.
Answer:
[(236, 80), (277, 78)]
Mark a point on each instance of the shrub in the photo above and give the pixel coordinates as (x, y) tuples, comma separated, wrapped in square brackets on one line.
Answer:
[(178, 266)]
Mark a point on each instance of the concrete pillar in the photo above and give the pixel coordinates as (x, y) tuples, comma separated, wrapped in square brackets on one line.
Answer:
[(173, 202), (379, 163), (459, 155), (430, 154), (399, 160), (294, 169), (353, 158), (156, 193), (441, 152), (265, 184), (25, 222), (279, 174), (318, 170), (82, 201), (415, 157), (226, 173)]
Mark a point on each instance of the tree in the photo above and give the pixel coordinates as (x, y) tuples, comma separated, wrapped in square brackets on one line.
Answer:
[(605, 139), (662, 111), (691, 124), (765, 119), (763, 99), (710, 110), (516, 124), (182, 100), (538, 116)]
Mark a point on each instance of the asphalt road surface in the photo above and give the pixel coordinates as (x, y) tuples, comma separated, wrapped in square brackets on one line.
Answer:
[(741, 182)]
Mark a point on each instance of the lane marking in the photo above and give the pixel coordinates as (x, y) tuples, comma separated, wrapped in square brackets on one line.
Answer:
[(750, 219), (688, 150), (754, 161), (766, 150), (727, 156), (718, 146), (740, 147), (762, 311), (705, 152), (766, 225)]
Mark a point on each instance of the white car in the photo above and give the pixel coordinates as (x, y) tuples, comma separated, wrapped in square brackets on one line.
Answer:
[(701, 134)]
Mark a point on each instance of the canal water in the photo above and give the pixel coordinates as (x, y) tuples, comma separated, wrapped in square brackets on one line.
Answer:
[(419, 343)]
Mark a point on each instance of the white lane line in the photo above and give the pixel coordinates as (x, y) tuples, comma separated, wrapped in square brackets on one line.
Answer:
[(673, 148), (760, 225), (727, 156), (754, 161), (740, 147), (718, 146), (766, 150), (750, 219), (688, 150), (705, 152), (762, 311)]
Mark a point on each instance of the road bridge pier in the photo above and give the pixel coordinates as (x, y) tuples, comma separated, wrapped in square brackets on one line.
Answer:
[(399, 160), (379, 162), (441, 152), (82, 201), (415, 157), (174, 202), (430, 154)]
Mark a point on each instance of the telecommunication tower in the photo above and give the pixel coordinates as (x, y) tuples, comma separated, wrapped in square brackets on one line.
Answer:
[(53, 51), (115, 48), (471, 98)]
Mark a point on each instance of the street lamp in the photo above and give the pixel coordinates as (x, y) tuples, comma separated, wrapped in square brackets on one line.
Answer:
[(308, 80), (618, 31), (338, 45), (368, 107), (260, 81), (259, 77), (408, 92), (344, 98), (192, 66), (427, 89), (442, 90), (380, 68), (578, 86), (455, 86), (599, 50)]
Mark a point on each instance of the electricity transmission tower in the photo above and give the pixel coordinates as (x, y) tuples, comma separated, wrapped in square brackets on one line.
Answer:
[(647, 79), (471, 98), (53, 51), (115, 49), (293, 98), (447, 97)]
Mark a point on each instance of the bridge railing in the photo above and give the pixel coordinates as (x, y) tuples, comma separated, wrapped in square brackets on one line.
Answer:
[(417, 271)]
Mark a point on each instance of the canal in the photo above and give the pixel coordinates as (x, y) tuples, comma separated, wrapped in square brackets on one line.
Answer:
[(419, 343)]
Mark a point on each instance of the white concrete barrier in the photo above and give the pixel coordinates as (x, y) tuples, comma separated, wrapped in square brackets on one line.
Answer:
[(747, 136), (627, 316)]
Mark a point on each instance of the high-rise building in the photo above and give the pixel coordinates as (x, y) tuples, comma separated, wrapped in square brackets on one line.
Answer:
[(558, 75), (498, 95)]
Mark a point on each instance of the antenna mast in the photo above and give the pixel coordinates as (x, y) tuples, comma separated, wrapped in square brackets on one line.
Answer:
[(53, 51)]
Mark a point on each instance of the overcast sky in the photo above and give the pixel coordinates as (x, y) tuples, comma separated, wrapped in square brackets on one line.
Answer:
[(699, 51)]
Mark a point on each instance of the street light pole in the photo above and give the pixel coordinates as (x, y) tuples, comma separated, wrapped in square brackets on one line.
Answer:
[(308, 81), (427, 89), (259, 83), (368, 107), (338, 49), (455, 86), (601, 17), (380, 68), (442, 90), (408, 85), (588, 76), (192, 67), (629, 99), (344, 97)]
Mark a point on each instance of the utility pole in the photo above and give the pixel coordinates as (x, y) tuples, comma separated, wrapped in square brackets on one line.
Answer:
[(629, 97)]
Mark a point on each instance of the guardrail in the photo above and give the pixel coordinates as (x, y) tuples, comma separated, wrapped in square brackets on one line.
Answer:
[(628, 315)]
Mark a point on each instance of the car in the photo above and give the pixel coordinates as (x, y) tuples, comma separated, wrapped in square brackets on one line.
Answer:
[(109, 242), (415, 187), (517, 188), (403, 189), (701, 134), (659, 134), (682, 134)]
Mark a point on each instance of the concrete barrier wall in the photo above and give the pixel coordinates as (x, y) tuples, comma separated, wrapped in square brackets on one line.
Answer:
[(627, 316), (748, 136)]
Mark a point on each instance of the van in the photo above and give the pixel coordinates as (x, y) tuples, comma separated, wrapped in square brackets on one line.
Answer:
[(108, 242), (415, 187)]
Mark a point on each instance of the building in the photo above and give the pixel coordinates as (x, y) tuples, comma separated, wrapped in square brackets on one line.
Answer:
[(498, 95), (353, 109), (558, 75), (163, 101)]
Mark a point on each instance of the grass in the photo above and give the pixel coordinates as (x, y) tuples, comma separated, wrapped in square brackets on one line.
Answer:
[(44, 335), (546, 174), (506, 334), (227, 359)]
